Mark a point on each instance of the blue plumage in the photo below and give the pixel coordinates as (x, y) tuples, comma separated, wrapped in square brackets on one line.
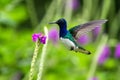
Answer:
[(63, 27)]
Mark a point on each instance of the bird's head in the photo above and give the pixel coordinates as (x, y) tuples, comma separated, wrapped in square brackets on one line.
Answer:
[(61, 22)]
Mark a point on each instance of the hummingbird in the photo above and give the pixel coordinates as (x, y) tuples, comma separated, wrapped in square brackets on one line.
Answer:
[(69, 37)]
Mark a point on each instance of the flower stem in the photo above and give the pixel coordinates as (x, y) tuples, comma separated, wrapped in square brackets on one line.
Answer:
[(96, 57), (34, 60), (32, 12), (43, 55), (68, 10)]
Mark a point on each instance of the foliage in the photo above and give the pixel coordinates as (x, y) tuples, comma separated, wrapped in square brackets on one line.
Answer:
[(18, 21)]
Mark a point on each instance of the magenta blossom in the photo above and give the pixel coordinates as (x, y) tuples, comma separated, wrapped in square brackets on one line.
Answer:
[(39, 36), (96, 32), (117, 51), (73, 4), (53, 35), (94, 78), (83, 39), (36, 36), (43, 39), (104, 55)]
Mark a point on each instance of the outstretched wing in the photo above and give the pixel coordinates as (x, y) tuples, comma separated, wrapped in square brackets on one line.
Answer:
[(79, 30)]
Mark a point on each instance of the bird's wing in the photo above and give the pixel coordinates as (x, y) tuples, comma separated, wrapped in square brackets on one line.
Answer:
[(79, 30)]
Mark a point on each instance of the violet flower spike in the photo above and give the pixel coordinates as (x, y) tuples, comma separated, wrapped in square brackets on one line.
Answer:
[(96, 31), (53, 35), (35, 37), (104, 55), (83, 39), (117, 51), (39, 36), (94, 78), (75, 4), (43, 39)]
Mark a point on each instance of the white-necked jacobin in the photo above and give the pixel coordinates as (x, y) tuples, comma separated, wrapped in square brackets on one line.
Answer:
[(69, 37)]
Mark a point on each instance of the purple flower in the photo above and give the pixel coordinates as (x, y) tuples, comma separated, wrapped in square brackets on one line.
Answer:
[(39, 36), (94, 78), (43, 39), (96, 32), (117, 51), (36, 36), (104, 55), (83, 39), (74, 4), (53, 35)]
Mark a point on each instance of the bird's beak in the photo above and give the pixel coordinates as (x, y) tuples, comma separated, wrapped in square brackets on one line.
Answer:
[(52, 22)]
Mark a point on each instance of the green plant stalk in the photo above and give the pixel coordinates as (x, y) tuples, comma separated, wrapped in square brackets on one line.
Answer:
[(118, 73), (59, 8), (12, 5), (87, 8), (48, 16), (43, 55), (105, 8), (34, 60), (96, 57), (32, 12), (68, 11)]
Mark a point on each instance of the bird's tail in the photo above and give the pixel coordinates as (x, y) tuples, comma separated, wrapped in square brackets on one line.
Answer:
[(82, 50)]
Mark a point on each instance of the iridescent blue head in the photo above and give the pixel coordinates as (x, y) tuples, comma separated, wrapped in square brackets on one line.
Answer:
[(61, 22), (62, 25)]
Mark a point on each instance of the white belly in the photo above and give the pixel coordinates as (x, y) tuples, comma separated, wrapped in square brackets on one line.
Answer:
[(67, 43)]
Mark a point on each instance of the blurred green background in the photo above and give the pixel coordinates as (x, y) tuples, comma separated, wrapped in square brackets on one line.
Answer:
[(19, 19)]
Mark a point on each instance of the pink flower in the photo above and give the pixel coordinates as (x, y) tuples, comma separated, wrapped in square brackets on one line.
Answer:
[(53, 35), (39, 36), (43, 39), (83, 39), (117, 51), (36, 36), (94, 78), (75, 4), (96, 32), (104, 55)]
